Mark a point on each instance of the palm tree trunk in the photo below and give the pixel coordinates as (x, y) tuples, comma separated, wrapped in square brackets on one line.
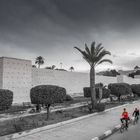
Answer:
[(92, 87)]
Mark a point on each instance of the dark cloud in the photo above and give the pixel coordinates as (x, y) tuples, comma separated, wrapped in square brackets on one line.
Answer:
[(52, 27)]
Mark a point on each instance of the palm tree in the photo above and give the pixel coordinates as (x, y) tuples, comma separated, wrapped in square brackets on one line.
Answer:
[(39, 61), (33, 66), (94, 56), (71, 68), (53, 67)]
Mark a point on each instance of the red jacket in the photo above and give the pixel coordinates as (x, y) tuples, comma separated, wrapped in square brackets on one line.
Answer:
[(125, 115)]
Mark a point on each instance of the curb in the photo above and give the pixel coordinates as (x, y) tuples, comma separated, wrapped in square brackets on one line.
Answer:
[(29, 132), (115, 129), (107, 133)]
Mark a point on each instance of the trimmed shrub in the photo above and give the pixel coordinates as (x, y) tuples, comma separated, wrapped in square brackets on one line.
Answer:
[(106, 93), (136, 89), (6, 99), (47, 95), (87, 92), (119, 89), (100, 107), (68, 98)]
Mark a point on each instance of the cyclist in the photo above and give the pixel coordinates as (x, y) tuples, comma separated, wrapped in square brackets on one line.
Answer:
[(136, 114), (125, 117)]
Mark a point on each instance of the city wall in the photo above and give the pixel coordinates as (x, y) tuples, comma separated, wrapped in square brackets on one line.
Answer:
[(72, 81), (18, 76)]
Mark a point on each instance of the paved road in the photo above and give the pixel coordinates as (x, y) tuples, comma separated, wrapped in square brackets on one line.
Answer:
[(133, 133), (84, 129)]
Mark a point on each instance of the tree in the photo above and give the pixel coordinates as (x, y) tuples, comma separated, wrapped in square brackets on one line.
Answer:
[(33, 66), (50, 67), (112, 73), (71, 68), (53, 67), (47, 95), (137, 72), (136, 67), (39, 61), (94, 56)]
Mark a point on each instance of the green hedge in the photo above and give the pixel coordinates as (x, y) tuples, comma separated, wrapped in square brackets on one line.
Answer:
[(47, 94), (87, 92), (6, 99), (136, 89), (119, 89)]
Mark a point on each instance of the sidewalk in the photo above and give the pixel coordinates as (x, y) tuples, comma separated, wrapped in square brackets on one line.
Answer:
[(85, 129)]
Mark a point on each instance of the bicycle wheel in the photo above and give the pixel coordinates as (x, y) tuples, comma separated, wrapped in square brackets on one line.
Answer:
[(137, 120), (122, 128), (126, 127), (134, 122)]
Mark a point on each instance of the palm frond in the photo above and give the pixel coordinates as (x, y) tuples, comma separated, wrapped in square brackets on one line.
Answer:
[(99, 48), (79, 50), (92, 48), (94, 55), (87, 49), (104, 60), (86, 56), (102, 54)]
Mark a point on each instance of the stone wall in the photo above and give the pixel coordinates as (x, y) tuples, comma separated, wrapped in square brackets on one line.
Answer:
[(72, 81), (17, 78)]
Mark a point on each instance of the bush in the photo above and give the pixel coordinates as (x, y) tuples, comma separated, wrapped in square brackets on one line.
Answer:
[(6, 99), (100, 107), (47, 95), (136, 89), (106, 93), (87, 92), (119, 89), (68, 98)]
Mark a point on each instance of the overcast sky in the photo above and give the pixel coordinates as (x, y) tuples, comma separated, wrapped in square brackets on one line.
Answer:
[(51, 28)]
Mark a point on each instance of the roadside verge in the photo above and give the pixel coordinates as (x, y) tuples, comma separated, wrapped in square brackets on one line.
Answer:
[(30, 132)]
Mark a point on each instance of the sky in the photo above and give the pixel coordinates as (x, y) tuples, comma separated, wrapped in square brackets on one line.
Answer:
[(51, 28)]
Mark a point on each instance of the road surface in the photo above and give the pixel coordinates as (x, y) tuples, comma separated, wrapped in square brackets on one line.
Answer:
[(133, 133)]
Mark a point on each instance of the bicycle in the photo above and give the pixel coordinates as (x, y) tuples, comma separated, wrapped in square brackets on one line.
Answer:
[(136, 118), (124, 126)]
